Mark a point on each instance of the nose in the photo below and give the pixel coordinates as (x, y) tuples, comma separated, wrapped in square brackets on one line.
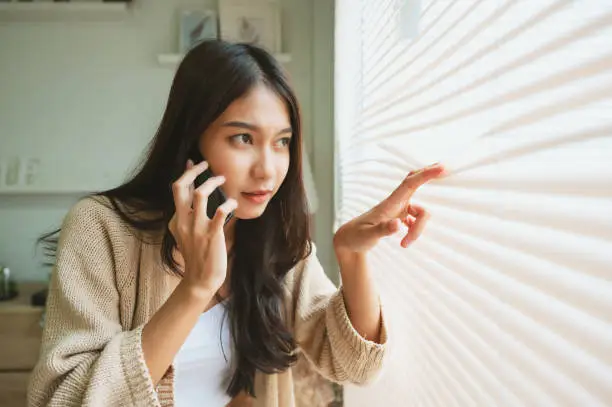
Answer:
[(263, 168)]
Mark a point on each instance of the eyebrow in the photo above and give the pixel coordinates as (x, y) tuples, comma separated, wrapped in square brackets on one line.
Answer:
[(252, 127)]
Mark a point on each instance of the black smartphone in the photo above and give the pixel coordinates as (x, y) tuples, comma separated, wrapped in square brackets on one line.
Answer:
[(217, 197)]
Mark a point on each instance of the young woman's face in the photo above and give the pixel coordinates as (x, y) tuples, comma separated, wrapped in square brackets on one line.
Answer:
[(249, 145)]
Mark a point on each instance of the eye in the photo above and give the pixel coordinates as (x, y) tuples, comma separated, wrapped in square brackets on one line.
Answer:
[(284, 142), (242, 138)]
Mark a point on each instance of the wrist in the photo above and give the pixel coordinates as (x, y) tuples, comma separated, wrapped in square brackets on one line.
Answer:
[(349, 259), (343, 252), (194, 294)]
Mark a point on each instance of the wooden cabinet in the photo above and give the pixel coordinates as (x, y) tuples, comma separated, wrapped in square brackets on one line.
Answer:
[(13, 388), (20, 336)]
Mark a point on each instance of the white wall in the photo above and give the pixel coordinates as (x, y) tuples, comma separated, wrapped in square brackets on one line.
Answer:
[(85, 98)]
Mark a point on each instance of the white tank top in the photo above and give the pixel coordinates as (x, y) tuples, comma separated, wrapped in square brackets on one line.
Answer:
[(202, 365)]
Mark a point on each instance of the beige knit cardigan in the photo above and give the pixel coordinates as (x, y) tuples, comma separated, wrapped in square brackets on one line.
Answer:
[(107, 284)]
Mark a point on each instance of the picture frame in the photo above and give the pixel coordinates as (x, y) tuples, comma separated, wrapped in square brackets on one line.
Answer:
[(195, 26), (256, 22)]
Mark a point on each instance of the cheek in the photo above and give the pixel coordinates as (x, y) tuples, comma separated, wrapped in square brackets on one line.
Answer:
[(233, 169), (282, 169), (235, 181)]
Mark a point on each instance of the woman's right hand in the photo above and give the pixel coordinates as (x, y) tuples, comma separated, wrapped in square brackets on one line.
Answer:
[(200, 240)]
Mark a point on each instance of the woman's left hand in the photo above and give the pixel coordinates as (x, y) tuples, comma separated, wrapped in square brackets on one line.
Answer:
[(361, 234)]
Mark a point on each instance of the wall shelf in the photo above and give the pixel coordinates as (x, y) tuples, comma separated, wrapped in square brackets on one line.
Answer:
[(63, 11), (172, 60)]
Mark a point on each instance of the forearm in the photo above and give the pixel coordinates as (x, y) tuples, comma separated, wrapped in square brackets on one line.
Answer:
[(165, 333), (360, 294)]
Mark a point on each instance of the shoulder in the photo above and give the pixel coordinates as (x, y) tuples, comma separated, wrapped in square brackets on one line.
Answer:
[(94, 241), (94, 221), (93, 212)]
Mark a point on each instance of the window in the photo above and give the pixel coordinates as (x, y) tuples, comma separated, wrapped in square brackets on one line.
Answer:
[(506, 300)]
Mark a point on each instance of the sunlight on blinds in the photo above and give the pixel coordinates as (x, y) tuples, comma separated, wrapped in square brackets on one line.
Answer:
[(506, 300)]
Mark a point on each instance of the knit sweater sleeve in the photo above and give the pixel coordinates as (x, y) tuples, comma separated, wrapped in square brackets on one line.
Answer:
[(86, 358), (324, 332)]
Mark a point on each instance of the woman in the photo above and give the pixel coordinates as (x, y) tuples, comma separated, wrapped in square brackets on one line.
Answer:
[(146, 285)]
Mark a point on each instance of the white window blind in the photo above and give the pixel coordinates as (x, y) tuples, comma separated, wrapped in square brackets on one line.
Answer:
[(506, 300)]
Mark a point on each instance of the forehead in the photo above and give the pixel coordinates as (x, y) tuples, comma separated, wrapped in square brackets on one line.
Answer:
[(261, 106)]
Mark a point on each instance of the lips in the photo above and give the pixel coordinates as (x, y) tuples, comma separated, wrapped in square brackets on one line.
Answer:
[(257, 196), (259, 192)]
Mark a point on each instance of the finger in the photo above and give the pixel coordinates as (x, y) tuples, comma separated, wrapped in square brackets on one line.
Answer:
[(408, 221), (173, 227), (191, 172), (181, 190), (415, 179), (187, 167), (200, 198), (382, 229), (421, 216), (416, 210), (427, 174), (389, 228), (223, 211)]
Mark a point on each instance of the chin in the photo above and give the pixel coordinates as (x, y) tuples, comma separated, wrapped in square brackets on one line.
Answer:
[(249, 213), (248, 209)]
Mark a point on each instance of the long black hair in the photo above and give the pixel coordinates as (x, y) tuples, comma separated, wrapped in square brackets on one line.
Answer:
[(211, 76)]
